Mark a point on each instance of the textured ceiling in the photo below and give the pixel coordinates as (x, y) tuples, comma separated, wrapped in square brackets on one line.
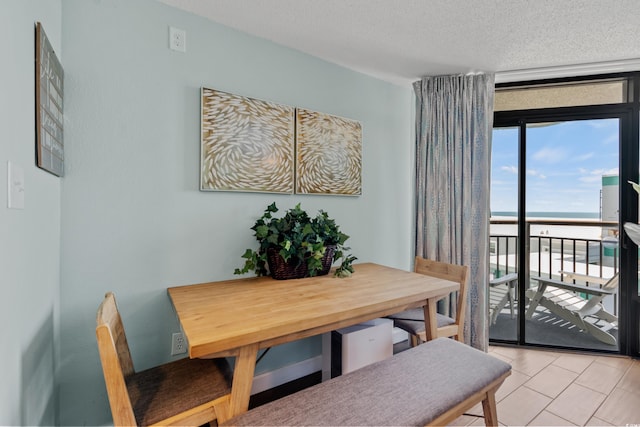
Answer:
[(403, 40)]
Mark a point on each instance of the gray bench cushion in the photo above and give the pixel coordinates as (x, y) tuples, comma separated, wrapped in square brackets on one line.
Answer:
[(411, 388)]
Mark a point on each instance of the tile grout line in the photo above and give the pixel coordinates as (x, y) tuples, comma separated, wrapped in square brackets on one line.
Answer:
[(552, 398), (535, 391), (609, 394), (573, 382), (625, 372), (545, 408)]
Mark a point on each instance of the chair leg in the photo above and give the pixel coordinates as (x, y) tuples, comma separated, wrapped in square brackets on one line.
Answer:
[(497, 309), (223, 409), (600, 334), (535, 301), (511, 301), (489, 409), (414, 340)]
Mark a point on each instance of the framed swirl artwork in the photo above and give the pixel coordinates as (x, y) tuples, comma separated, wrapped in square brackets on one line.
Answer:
[(260, 146), (328, 154), (246, 144)]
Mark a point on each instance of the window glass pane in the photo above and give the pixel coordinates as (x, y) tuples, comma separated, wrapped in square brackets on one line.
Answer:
[(571, 188), (565, 95), (503, 242)]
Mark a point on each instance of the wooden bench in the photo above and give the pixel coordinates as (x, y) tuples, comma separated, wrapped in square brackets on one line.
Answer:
[(431, 384)]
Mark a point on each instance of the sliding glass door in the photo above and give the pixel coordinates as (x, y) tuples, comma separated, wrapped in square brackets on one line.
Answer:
[(555, 223), (563, 153), (572, 217)]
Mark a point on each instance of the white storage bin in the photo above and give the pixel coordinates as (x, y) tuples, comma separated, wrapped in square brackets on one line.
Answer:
[(356, 346)]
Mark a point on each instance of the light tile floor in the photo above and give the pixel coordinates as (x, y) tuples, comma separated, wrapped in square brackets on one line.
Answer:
[(549, 388)]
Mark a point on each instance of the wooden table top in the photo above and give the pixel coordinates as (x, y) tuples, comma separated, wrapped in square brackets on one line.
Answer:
[(218, 318)]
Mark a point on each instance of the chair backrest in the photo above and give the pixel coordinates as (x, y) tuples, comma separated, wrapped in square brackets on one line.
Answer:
[(610, 284), (454, 273), (116, 360)]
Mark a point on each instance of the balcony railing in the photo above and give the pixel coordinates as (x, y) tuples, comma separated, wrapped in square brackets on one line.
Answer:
[(588, 247), (581, 246)]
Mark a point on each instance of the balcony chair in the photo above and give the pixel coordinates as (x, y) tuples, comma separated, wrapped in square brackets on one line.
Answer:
[(412, 321), (564, 299), (502, 292), (183, 392)]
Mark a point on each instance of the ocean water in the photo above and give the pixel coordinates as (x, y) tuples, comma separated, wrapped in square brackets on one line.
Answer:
[(557, 231), (563, 215)]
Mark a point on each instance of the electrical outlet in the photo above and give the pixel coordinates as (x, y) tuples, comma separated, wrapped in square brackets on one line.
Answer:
[(177, 39), (178, 344)]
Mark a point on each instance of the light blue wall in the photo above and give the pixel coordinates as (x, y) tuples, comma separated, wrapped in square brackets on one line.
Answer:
[(133, 220), (29, 238)]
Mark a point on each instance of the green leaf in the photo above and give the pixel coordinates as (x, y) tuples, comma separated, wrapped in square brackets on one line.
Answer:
[(284, 254), (262, 231), (342, 238), (248, 254), (308, 229), (343, 273)]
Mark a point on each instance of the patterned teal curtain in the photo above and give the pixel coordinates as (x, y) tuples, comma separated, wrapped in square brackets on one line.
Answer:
[(454, 121)]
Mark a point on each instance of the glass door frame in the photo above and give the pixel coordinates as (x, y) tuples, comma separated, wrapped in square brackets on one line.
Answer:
[(628, 151)]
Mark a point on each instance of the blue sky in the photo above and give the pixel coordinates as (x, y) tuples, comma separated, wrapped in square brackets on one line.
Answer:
[(565, 165)]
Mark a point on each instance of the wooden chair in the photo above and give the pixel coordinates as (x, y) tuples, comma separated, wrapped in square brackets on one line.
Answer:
[(183, 392), (412, 320), (502, 292), (576, 303)]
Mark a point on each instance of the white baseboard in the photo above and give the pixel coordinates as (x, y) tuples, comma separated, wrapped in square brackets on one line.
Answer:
[(285, 374)]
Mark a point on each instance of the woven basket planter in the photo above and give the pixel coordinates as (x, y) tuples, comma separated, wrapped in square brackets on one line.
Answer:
[(281, 270)]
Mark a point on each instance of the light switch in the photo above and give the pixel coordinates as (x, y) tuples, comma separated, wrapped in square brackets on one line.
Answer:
[(15, 186)]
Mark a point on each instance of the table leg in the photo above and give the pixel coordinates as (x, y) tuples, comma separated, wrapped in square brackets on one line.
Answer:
[(430, 320), (243, 379)]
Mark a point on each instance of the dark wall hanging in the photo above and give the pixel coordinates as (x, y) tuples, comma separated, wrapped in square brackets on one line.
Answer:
[(49, 106)]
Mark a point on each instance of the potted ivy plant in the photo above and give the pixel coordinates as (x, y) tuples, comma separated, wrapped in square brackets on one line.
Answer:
[(297, 245)]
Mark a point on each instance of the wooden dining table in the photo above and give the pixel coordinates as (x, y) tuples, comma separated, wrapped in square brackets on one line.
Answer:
[(239, 317)]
